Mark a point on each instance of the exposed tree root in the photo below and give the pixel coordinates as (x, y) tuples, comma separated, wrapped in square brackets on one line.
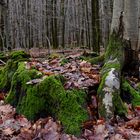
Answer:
[(130, 94)]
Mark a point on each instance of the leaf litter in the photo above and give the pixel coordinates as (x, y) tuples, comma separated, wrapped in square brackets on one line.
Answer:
[(17, 127), (79, 74)]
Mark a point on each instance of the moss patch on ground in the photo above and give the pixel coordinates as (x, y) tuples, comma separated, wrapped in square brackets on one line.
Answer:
[(7, 72), (19, 55), (6, 75), (47, 98)]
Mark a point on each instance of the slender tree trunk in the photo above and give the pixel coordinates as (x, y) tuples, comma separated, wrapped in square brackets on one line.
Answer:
[(95, 25), (63, 22)]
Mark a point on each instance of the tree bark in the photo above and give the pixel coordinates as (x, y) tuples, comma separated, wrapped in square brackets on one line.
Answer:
[(118, 7), (95, 25), (130, 94), (110, 101), (124, 34)]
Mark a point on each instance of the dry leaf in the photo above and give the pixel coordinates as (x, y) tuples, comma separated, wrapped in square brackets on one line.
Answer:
[(8, 131)]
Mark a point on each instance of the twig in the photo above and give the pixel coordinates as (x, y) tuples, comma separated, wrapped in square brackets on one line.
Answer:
[(3, 63)]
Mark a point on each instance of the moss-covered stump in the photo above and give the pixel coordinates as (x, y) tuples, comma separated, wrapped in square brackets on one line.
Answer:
[(7, 72), (109, 89), (130, 93), (47, 98)]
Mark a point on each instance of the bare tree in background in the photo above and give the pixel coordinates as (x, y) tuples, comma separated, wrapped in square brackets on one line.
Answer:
[(62, 23)]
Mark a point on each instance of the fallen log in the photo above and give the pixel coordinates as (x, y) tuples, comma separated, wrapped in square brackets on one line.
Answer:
[(97, 60), (110, 101)]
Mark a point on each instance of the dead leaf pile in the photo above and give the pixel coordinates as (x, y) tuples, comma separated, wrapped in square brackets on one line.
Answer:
[(118, 131), (17, 127), (79, 74)]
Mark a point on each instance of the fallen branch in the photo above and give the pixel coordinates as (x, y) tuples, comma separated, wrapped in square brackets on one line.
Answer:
[(2, 63)]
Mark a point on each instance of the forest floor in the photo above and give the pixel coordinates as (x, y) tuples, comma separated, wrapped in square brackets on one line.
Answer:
[(80, 74)]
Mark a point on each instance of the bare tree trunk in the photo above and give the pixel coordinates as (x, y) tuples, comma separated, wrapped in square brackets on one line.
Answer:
[(106, 17), (95, 25), (63, 22)]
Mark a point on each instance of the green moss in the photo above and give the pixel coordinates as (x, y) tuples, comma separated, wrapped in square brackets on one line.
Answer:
[(32, 104), (19, 55), (120, 108), (3, 57), (93, 60), (47, 98), (135, 95), (138, 87), (6, 75), (102, 84), (54, 56), (113, 60), (101, 95), (11, 66), (108, 66), (96, 60), (64, 61), (61, 78), (18, 83), (114, 49), (72, 113)]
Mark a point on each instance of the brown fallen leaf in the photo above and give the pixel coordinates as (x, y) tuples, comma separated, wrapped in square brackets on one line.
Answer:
[(101, 121), (88, 133), (8, 131), (89, 124), (23, 122), (86, 69), (25, 135), (135, 124), (2, 96), (96, 77), (94, 101), (54, 62), (137, 110)]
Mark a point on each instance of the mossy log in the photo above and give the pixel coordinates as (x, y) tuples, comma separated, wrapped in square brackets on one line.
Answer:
[(46, 98), (130, 93), (97, 60), (109, 90), (11, 66)]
